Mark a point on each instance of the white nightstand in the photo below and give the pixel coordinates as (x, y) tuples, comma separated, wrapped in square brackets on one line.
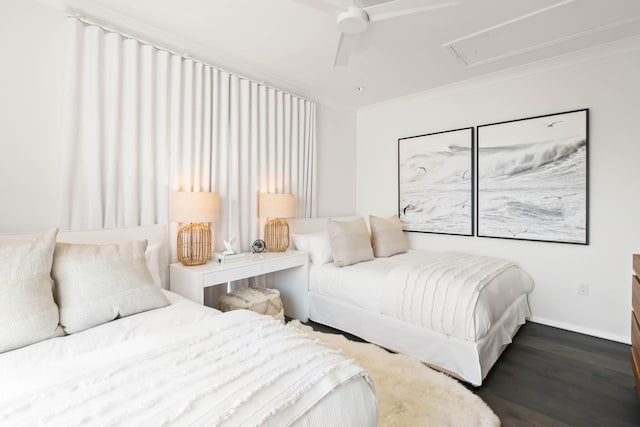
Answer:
[(290, 268)]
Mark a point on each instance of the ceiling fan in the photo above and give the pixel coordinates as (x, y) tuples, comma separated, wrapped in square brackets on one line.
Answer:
[(354, 19)]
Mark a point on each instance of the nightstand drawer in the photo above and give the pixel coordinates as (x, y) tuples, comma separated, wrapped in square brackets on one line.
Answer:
[(229, 275), (635, 365), (635, 295), (282, 264), (635, 350), (635, 336)]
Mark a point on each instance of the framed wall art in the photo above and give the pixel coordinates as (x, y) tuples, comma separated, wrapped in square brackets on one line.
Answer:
[(533, 178), (435, 182)]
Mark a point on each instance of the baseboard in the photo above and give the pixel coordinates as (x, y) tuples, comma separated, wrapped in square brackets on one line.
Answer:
[(582, 330)]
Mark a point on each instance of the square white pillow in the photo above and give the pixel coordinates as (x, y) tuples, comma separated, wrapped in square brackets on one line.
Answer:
[(95, 284), (350, 242), (387, 237), (152, 255), (28, 313), (317, 245)]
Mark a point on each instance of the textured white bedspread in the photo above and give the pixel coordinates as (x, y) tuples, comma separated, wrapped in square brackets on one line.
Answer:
[(442, 292), (236, 368), (367, 285)]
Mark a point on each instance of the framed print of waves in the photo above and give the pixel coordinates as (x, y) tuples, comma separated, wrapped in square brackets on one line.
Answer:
[(533, 178), (435, 182)]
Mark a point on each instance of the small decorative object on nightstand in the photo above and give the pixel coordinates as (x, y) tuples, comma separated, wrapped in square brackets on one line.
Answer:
[(224, 257), (229, 254), (276, 230), (194, 239), (258, 247)]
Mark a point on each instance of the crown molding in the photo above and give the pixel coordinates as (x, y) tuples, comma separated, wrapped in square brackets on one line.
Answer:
[(131, 26)]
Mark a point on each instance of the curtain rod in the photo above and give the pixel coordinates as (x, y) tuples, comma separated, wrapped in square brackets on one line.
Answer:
[(110, 29)]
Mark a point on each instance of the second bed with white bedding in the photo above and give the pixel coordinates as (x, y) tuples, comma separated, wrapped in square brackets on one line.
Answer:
[(454, 311), (371, 286)]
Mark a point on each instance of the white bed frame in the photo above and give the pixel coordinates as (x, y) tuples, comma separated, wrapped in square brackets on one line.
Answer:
[(469, 361), (330, 410)]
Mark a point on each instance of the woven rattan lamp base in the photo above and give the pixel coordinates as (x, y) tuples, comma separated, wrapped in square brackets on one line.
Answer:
[(194, 244), (276, 235)]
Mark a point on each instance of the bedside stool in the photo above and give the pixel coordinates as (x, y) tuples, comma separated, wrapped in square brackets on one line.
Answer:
[(261, 300)]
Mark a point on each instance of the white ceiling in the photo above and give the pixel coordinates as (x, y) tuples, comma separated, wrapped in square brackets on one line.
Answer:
[(291, 45)]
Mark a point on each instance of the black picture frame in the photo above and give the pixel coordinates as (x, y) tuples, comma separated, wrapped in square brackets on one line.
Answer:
[(436, 173), (533, 178)]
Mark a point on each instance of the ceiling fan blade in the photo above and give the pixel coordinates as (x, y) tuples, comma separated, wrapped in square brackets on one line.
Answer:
[(345, 45), (326, 6), (393, 9)]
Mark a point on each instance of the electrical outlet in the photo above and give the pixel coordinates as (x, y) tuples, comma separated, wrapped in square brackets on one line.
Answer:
[(583, 289)]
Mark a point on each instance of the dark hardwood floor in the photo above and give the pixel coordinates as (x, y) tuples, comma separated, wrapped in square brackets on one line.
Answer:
[(552, 377)]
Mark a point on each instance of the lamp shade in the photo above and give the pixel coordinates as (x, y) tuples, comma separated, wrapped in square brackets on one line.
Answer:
[(194, 207), (271, 205)]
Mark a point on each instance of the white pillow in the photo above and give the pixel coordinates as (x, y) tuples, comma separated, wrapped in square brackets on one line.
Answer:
[(28, 313), (350, 242), (152, 255), (387, 237), (317, 245), (95, 284)]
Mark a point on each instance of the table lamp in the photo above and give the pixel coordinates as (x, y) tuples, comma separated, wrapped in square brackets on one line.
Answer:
[(194, 239), (276, 230)]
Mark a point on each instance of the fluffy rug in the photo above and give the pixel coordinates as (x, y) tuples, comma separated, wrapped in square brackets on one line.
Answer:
[(410, 393)]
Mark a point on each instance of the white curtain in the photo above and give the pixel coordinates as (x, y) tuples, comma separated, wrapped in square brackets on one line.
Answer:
[(141, 122)]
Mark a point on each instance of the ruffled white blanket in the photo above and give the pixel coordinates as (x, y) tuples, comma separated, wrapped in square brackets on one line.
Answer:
[(441, 293), (242, 369)]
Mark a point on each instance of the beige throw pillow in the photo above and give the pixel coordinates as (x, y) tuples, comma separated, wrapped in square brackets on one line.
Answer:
[(28, 313), (387, 237), (350, 242), (95, 284)]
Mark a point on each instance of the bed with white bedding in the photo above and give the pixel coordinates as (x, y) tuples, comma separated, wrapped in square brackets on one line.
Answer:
[(454, 311), (182, 364)]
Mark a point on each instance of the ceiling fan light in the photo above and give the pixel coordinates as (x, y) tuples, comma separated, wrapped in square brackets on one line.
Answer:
[(352, 21)]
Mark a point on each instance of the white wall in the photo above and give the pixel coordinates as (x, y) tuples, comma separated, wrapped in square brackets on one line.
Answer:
[(32, 46), (336, 161), (608, 86), (32, 41)]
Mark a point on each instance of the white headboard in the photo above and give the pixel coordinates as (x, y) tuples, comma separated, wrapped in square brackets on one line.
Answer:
[(312, 225), (154, 234), (306, 225)]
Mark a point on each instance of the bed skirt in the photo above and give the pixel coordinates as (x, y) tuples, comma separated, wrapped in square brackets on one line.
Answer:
[(470, 361)]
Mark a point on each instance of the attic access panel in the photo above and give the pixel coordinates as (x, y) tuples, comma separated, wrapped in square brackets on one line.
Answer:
[(564, 25)]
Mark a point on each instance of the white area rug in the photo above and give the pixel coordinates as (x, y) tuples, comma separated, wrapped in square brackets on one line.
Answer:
[(410, 393)]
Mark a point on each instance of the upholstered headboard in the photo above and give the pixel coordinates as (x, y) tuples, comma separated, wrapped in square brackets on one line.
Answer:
[(312, 225), (154, 234), (306, 225)]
